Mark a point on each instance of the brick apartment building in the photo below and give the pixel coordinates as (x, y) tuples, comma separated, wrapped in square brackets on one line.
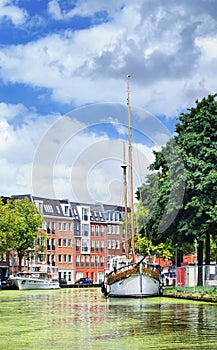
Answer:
[(81, 238), (115, 232)]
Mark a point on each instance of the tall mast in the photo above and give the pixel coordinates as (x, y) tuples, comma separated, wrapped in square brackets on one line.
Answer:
[(124, 167), (131, 167)]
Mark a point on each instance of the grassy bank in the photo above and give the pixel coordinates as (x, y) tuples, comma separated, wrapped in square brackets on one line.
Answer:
[(191, 293)]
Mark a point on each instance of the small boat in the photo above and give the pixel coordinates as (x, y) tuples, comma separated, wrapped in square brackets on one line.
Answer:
[(136, 280), (38, 277), (131, 277)]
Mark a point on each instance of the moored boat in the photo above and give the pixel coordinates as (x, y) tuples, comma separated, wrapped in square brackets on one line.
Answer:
[(38, 277), (131, 277), (133, 280)]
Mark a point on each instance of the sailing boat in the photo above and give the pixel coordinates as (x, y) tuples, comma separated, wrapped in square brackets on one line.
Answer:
[(131, 277)]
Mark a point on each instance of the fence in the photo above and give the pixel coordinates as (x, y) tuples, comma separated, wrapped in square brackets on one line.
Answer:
[(193, 275)]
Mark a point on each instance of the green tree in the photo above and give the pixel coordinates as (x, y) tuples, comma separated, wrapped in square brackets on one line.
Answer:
[(146, 246), (6, 227), (192, 168), (197, 140), (19, 225), (162, 195)]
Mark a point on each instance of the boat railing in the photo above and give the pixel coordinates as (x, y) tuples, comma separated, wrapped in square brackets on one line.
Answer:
[(128, 271)]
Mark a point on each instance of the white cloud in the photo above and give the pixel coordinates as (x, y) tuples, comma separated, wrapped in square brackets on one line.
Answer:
[(18, 145), (15, 14), (170, 51), (165, 49), (70, 156), (83, 8)]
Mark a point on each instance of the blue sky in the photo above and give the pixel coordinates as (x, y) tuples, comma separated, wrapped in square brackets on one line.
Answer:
[(61, 58)]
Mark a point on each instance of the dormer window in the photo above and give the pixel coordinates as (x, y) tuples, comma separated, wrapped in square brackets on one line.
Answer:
[(39, 205), (66, 210), (85, 214)]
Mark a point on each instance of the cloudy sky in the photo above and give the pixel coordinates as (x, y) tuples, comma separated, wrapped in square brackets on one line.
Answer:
[(63, 88)]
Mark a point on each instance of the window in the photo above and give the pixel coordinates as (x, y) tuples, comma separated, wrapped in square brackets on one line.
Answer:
[(48, 259), (109, 216), (66, 210), (82, 261), (92, 230), (44, 225), (49, 244), (117, 244), (102, 261), (102, 231), (77, 229), (101, 246), (53, 243), (42, 257), (60, 242), (65, 258), (41, 241), (48, 227), (85, 230), (85, 214), (87, 261), (64, 226), (117, 216), (53, 259), (97, 230), (77, 261), (113, 244), (108, 228), (69, 226), (53, 227), (60, 258), (92, 246), (60, 226), (39, 206), (69, 243), (85, 245), (69, 259), (97, 246), (64, 242), (69, 276), (92, 261), (109, 244), (78, 243)]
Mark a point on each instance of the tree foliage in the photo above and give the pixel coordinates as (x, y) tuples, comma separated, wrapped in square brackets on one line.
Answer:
[(146, 246), (181, 194), (197, 139), (19, 223)]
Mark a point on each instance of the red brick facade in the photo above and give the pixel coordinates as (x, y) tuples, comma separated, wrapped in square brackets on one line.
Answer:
[(81, 238)]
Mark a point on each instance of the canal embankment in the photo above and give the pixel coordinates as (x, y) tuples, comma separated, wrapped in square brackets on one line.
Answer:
[(197, 293)]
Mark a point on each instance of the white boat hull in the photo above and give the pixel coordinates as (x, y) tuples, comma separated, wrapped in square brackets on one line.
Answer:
[(134, 286), (23, 283)]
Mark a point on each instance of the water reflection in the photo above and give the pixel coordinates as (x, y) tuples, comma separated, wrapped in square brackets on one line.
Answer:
[(84, 319)]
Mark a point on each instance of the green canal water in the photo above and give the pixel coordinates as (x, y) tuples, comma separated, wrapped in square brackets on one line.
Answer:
[(84, 319)]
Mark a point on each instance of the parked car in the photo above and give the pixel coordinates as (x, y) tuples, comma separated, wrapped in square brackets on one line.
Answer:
[(84, 281), (62, 282)]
